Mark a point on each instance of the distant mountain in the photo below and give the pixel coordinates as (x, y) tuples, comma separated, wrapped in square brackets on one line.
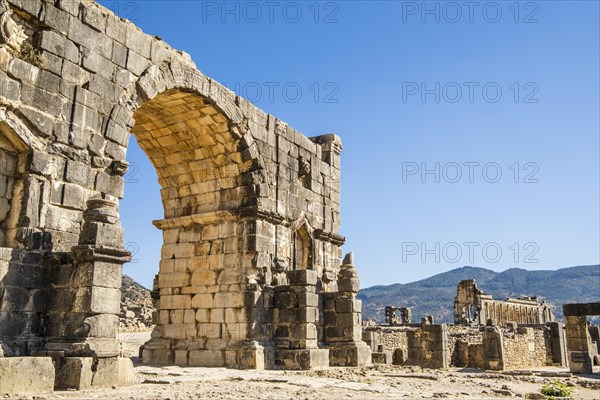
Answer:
[(435, 295)]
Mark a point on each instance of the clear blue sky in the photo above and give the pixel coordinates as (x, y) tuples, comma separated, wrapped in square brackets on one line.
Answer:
[(377, 64)]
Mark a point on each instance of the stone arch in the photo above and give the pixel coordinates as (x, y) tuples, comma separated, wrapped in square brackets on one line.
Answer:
[(181, 81), (233, 181), (212, 178)]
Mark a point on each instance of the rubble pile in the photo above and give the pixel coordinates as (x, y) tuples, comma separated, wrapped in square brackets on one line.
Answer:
[(136, 306)]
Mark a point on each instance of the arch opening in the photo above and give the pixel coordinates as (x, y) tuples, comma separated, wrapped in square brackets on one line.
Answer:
[(206, 182)]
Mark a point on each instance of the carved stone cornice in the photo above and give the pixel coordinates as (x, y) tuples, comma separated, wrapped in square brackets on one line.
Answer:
[(104, 254), (330, 237), (214, 217)]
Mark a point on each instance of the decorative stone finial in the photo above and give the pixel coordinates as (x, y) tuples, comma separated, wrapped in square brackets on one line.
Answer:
[(102, 210), (349, 259), (101, 225), (347, 277)]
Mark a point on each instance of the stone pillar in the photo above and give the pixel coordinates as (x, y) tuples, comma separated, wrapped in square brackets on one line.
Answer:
[(342, 320), (578, 335), (557, 343), (251, 351), (578, 344), (90, 349), (295, 320), (390, 315), (595, 336), (428, 346), (493, 348), (406, 315), (95, 284)]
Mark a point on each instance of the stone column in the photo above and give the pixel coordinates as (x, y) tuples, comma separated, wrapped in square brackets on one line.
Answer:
[(90, 348), (493, 348), (90, 329), (578, 344), (342, 320), (96, 280), (578, 336), (557, 343)]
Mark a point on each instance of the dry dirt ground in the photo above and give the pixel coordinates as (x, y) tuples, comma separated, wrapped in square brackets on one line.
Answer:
[(383, 382)]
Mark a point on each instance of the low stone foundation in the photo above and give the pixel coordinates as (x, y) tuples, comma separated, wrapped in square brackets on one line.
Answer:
[(486, 347), (86, 372), (41, 375)]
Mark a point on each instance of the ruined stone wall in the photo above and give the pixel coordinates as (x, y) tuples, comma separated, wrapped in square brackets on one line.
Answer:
[(246, 197), (467, 335), (527, 347), (469, 346), (473, 306), (20, 305), (392, 337)]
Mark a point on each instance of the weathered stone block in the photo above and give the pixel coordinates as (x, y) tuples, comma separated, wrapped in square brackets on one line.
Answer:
[(9, 88), (74, 373), (203, 315), (88, 37), (171, 302), (203, 277), (302, 277), (110, 184), (26, 375), (93, 16), (299, 359), (308, 300), (350, 356), (98, 274), (102, 325), (58, 45), (206, 358), (97, 300), (212, 330), (177, 279), (202, 300), (56, 18), (114, 371)]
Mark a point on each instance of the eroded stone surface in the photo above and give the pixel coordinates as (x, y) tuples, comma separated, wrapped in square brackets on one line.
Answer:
[(26, 375)]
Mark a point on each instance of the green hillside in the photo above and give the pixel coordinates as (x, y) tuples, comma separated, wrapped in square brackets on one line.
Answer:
[(435, 295)]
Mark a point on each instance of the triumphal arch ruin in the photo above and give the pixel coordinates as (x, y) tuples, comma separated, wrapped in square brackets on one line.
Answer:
[(251, 273)]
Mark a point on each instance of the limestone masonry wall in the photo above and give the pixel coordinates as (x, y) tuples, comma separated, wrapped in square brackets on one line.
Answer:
[(514, 347), (527, 347)]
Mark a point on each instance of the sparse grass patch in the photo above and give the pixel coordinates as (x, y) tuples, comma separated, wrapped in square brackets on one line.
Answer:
[(556, 389)]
